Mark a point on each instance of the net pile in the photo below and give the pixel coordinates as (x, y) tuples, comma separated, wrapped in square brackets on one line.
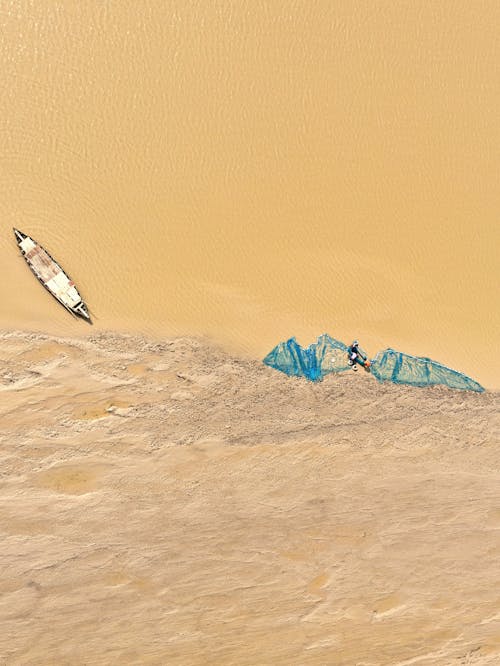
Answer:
[(400, 368), (313, 362)]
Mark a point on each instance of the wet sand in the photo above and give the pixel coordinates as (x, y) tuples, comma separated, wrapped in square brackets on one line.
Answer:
[(165, 502)]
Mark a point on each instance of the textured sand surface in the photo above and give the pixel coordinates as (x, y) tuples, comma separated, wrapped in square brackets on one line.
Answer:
[(166, 503)]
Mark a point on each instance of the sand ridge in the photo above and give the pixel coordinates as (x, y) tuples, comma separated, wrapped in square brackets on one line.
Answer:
[(163, 501)]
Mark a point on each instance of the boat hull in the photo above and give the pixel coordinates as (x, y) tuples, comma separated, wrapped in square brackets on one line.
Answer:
[(51, 275)]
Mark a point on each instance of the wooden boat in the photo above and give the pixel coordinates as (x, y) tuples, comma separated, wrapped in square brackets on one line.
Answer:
[(52, 276)]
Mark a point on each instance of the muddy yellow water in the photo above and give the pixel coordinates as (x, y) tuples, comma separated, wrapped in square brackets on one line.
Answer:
[(255, 170)]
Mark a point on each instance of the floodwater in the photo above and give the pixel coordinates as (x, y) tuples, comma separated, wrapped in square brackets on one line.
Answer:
[(256, 170)]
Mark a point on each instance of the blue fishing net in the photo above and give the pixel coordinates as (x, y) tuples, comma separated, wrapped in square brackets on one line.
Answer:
[(329, 355), (313, 362), (400, 368)]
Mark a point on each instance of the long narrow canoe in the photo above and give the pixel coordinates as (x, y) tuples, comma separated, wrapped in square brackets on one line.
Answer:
[(52, 276)]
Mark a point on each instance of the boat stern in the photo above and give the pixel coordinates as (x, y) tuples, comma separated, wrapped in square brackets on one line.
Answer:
[(19, 235)]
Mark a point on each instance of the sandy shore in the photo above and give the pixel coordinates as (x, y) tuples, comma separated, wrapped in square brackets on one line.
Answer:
[(167, 503)]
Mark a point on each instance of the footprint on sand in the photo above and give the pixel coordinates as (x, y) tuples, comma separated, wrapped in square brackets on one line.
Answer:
[(70, 479), (48, 351), (316, 585), (493, 519), (117, 578), (98, 410), (393, 603), (138, 369)]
